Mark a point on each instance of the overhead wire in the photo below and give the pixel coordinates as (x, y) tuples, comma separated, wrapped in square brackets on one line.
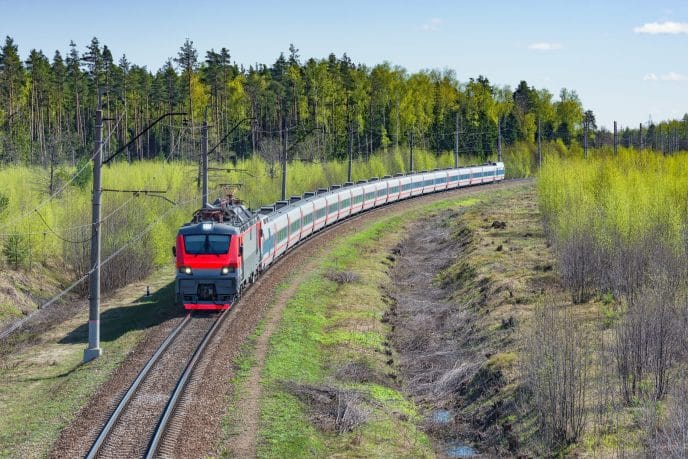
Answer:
[(103, 219), (85, 276), (463, 135), (63, 187)]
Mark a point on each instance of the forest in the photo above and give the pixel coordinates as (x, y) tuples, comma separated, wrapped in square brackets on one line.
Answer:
[(318, 108)]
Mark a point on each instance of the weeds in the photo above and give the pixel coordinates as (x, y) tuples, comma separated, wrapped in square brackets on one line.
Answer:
[(332, 408), (342, 277)]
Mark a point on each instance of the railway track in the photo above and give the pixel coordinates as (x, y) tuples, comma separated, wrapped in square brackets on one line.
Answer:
[(138, 424), (150, 417)]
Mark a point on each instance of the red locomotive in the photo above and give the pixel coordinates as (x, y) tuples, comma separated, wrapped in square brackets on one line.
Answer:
[(217, 255)]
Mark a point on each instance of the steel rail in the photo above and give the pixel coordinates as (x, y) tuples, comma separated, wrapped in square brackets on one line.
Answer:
[(98, 443), (181, 385)]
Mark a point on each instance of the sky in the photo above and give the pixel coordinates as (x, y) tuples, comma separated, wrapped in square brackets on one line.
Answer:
[(627, 60)]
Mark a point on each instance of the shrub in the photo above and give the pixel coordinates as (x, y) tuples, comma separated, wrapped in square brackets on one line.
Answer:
[(84, 173), (556, 367), (647, 343), (342, 277), (16, 250), (4, 203)]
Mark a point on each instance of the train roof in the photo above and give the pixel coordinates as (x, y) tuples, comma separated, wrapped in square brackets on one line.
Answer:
[(282, 207), (226, 212), (208, 227)]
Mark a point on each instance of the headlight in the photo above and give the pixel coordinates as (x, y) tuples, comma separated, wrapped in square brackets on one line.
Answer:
[(226, 270), (185, 270)]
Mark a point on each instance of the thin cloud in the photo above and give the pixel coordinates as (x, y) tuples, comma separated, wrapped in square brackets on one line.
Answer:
[(433, 25), (662, 28), (545, 46), (671, 76)]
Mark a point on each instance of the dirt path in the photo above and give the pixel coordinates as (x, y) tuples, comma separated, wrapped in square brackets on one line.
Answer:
[(244, 444)]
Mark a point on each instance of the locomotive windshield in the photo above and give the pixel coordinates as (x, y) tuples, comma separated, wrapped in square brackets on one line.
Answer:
[(214, 244)]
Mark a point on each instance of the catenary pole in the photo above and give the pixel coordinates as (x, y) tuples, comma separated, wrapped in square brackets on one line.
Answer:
[(585, 138), (616, 141), (284, 161), (539, 146), (641, 136), (456, 142), (499, 139), (94, 351), (204, 162), (351, 151), (411, 153)]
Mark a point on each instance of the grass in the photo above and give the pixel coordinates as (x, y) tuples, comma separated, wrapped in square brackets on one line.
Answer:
[(325, 326), (9, 311), (43, 386), (40, 396)]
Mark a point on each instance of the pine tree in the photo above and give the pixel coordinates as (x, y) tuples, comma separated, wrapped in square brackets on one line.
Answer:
[(59, 78), (38, 69), (11, 83), (76, 89), (16, 250), (187, 58)]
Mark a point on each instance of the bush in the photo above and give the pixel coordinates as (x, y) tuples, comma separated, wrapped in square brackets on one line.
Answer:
[(648, 343), (670, 439), (342, 277), (16, 250), (4, 203), (84, 173), (578, 265), (556, 367)]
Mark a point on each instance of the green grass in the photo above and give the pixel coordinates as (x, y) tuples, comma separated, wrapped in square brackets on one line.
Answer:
[(294, 355), (8, 311), (325, 326), (42, 386), (37, 403)]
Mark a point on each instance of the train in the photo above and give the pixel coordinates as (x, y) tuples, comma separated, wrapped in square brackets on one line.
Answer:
[(225, 246)]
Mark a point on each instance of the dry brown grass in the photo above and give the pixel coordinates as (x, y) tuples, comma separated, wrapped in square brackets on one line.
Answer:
[(332, 409), (342, 277)]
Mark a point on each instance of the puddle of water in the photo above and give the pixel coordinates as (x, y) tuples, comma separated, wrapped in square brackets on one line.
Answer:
[(459, 450), (441, 416)]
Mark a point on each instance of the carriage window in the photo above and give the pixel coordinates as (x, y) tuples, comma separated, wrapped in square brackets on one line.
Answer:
[(213, 244)]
